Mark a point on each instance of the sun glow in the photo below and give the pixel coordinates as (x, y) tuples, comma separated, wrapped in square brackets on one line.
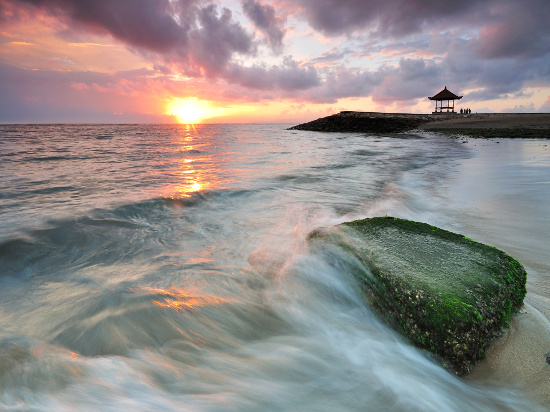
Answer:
[(192, 110)]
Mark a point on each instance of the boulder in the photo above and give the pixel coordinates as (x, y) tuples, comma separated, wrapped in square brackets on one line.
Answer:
[(448, 294)]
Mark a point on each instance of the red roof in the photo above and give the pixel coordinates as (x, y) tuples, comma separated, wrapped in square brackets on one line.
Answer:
[(445, 95)]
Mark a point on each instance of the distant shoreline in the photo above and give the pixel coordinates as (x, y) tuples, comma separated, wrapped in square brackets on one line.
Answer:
[(482, 125)]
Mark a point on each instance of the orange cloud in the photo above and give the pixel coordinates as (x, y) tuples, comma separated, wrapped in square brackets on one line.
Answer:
[(80, 86)]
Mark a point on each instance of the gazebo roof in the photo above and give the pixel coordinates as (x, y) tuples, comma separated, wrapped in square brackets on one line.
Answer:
[(445, 95)]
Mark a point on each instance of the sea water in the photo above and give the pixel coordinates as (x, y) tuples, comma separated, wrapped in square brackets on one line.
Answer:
[(166, 267)]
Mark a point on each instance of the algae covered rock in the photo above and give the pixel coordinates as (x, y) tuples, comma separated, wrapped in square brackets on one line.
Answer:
[(447, 293)]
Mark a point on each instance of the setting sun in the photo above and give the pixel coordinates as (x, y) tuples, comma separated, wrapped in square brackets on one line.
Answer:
[(192, 110)]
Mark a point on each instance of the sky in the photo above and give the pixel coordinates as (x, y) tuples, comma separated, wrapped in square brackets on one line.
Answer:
[(277, 61)]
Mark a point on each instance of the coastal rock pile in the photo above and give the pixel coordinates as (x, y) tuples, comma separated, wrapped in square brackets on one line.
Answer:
[(365, 122), (448, 294), (482, 125)]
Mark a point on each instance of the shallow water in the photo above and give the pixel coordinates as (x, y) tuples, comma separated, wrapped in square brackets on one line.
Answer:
[(148, 267)]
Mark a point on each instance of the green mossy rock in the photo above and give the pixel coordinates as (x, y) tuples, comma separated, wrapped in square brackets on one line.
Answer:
[(448, 294)]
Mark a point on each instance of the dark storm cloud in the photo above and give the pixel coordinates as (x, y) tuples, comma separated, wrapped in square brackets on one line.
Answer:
[(516, 29), (266, 21), (507, 28), (396, 17), (194, 36), (146, 24), (189, 33), (416, 79), (493, 78), (497, 47), (503, 46), (216, 39)]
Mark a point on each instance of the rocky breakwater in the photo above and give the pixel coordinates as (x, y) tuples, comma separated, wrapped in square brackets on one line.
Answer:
[(446, 293), (366, 122)]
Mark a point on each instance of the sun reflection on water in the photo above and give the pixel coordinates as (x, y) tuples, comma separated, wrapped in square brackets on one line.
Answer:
[(181, 299), (190, 171), (195, 187), (198, 160)]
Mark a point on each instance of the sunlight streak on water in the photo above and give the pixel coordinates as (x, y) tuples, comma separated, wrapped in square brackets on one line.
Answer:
[(181, 299)]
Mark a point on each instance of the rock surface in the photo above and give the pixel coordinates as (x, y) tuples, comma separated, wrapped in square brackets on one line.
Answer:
[(485, 125), (448, 294), (366, 122)]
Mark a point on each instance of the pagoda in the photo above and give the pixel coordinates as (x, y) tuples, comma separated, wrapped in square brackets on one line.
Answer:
[(449, 97)]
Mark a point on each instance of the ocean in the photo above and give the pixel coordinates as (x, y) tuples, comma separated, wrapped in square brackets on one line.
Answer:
[(166, 267)]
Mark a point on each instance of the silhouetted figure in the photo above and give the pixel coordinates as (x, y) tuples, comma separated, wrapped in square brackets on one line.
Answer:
[(460, 111)]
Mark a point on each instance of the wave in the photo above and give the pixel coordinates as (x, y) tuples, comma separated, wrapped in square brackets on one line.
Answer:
[(42, 191), (214, 300), (105, 236), (302, 179), (368, 153)]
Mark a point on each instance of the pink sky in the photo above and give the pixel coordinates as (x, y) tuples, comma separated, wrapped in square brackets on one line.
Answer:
[(266, 61)]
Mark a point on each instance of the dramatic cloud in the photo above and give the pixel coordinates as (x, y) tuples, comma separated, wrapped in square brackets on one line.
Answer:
[(216, 39), (516, 29), (393, 17), (394, 52), (188, 33), (288, 76), (507, 27), (265, 19), (191, 35), (412, 79), (145, 24)]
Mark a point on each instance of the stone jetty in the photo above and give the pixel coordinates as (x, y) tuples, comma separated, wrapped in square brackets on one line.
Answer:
[(367, 122), (482, 125)]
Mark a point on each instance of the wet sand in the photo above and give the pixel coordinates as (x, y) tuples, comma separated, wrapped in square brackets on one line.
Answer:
[(518, 357), (504, 192)]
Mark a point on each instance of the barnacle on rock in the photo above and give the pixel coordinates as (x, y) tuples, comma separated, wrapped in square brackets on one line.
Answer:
[(458, 292)]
